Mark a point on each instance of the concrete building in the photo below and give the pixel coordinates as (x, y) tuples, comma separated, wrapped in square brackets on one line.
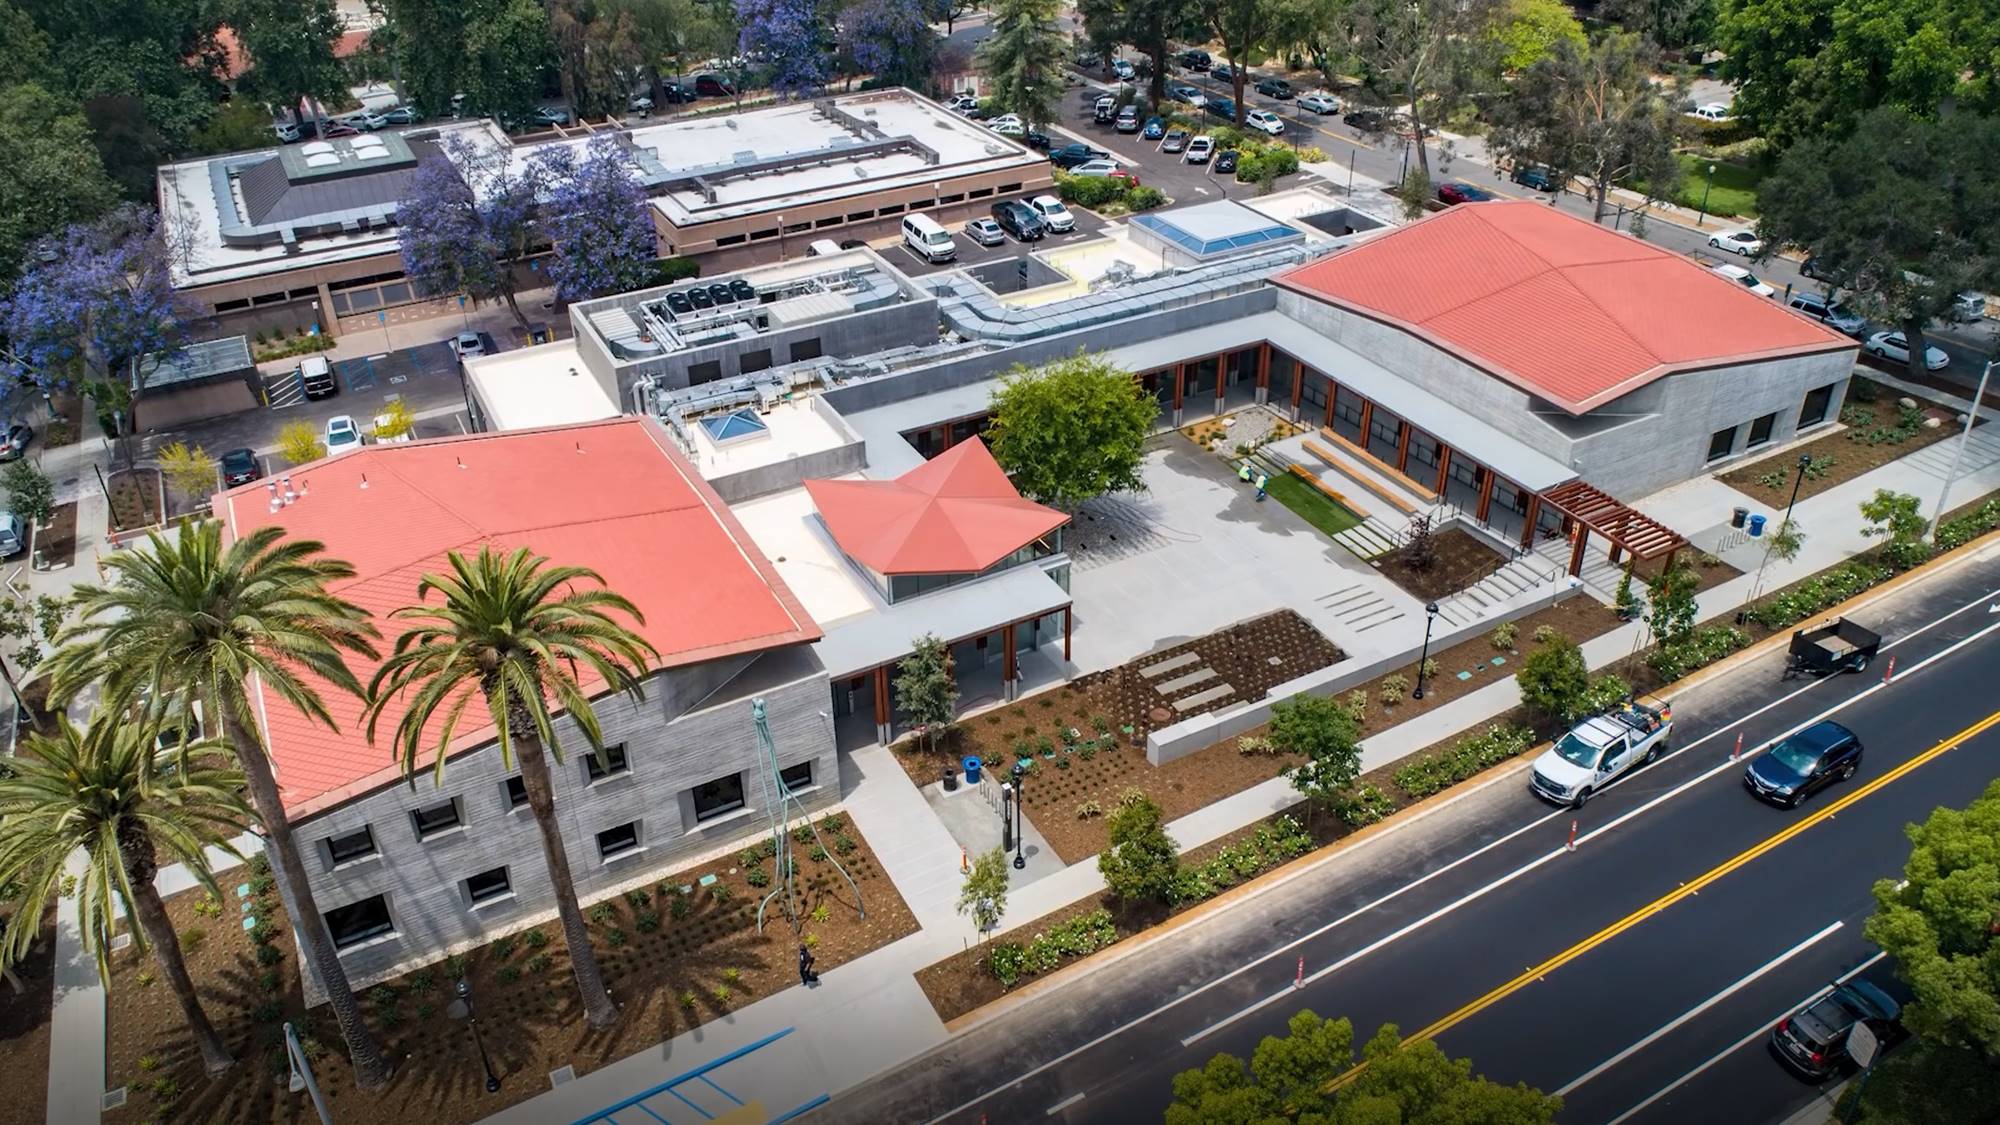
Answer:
[(406, 872)]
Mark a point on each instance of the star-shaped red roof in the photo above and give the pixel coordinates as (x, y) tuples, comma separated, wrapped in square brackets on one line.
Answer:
[(954, 514)]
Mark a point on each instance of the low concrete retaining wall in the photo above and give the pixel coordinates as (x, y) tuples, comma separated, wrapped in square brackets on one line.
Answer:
[(1201, 731)]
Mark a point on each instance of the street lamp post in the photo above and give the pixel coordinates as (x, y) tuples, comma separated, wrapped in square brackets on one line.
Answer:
[(1020, 799), (464, 1002), (1756, 587), (1971, 416), (1430, 619), (301, 1077), (1006, 816), (1703, 217)]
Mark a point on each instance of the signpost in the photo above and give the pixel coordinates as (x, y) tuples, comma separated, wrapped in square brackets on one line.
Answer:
[(1861, 1047)]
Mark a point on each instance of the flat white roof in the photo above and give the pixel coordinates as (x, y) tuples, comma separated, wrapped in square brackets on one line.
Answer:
[(785, 526), (530, 388), (791, 429)]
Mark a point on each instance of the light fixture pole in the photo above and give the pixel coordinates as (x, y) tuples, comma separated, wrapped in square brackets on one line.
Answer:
[(301, 1077), (1006, 816), (1964, 438), (1757, 587), (1020, 799), (465, 999), (1430, 619), (1703, 217)]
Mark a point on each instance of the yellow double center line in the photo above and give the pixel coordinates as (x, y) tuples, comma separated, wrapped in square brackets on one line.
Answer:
[(1685, 890)]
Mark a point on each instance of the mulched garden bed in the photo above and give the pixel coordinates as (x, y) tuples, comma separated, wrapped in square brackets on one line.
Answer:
[(669, 973), (56, 542), (1461, 560), (135, 499), (1877, 433), (24, 1032)]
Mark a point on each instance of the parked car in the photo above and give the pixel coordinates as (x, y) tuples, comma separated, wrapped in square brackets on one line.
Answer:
[(468, 345), (1224, 73), (1187, 95), (1037, 140), (1744, 242), (1367, 120), (1194, 59), (1128, 119), (1745, 278), (1265, 121), (1224, 108), (14, 439), (402, 115), (1225, 161), (1053, 214), (677, 93), (1275, 88), (1321, 102), (240, 466), (287, 131), (1967, 307), (1818, 271), (641, 104), (1458, 191), (1599, 749), (1070, 155), (962, 103), (1104, 109), (333, 130), (1176, 140), (363, 119), (1533, 177), (1123, 69), (1812, 1042), (342, 435), (316, 377), (1008, 126), (1801, 763), (925, 238), (1154, 129), (1108, 168), (1833, 314), (713, 86), (553, 115), (1893, 347), (1199, 150), (1019, 220), (1713, 111), (13, 535), (985, 232)]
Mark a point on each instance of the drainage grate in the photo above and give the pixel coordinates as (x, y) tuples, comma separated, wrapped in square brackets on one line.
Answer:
[(562, 1074), (114, 1098)]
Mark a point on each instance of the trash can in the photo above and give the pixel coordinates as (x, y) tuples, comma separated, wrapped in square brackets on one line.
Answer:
[(950, 779), (1756, 526), (1737, 517), (971, 771)]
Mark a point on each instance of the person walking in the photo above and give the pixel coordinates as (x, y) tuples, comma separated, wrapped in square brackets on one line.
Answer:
[(806, 975)]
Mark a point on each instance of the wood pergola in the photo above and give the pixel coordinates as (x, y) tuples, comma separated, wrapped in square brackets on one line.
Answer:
[(1629, 530)]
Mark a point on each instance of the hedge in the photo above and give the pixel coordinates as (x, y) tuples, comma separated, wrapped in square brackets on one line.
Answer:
[(1091, 191), (1786, 609), (1705, 647), (1435, 773), (1272, 844), (1010, 960), (1145, 198), (1966, 528)]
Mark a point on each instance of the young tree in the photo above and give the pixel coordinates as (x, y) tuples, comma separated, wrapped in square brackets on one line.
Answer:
[(595, 217), (1592, 110), (189, 470), (1529, 30), (299, 443), (1292, 1078), (1072, 430), (1023, 58), (290, 44), (1672, 593), (1432, 54), (110, 791), (467, 223), (1554, 679), (1414, 193), (1420, 548), (30, 493), (984, 895), (790, 36), (52, 177), (1941, 927), (1140, 861), (1327, 736), (514, 635), (926, 690), (1884, 211), (395, 421), (33, 626), (891, 39), (1899, 518)]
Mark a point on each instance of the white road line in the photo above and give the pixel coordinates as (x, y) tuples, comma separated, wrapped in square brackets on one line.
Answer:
[(1691, 1013), (1285, 949), (1063, 1105), (1762, 1030)]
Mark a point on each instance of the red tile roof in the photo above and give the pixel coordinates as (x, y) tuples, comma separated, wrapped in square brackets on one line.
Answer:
[(954, 514), (614, 496), (1558, 306)]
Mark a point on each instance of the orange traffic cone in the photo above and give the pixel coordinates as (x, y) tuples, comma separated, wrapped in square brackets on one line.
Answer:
[(964, 864)]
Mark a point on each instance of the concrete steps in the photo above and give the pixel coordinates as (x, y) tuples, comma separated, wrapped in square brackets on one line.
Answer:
[(1359, 607), (1599, 576), (1520, 576), (1371, 479), (1371, 538)]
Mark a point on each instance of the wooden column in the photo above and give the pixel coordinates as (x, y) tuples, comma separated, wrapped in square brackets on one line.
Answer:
[(1615, 553), (1067, 621), (1486, 479), (1008, 671), (1367, 416), (1299, 372), (1222, 366), (1403, 448), (1580, 537), (944, 437), (882, 695), (1332, 394), (1444, 467), (1264, 367), (1534, 513)]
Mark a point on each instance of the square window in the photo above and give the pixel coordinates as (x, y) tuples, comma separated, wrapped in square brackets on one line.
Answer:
[(614, 842), (803, 350), (707, 371), (754, 361), (488, 885), (1813, 411), (437, 818), (724, 794), (614, 764), (1721, 443), (517, 792), (358, 844), (357, 922), (797, 777), (1760, 430)]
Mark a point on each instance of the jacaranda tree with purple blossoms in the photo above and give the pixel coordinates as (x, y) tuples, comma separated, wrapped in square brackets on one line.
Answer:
[(892, 39), (594, 217), (467, 221), (787, 35)]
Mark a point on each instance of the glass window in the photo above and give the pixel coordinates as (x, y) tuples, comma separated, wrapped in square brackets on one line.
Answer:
[(805, 349), (357, 844), (754, 361), (614, 764), (797, 777), (724, 794), (1760, 430), (1818, 401), (437, 818), (705, 372), (357, 922), (517, 792), (1721, 443), (614, 842), (488, 885)]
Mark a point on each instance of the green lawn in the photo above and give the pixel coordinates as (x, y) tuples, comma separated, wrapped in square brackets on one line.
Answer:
[(1310, 504), (1735, 190)]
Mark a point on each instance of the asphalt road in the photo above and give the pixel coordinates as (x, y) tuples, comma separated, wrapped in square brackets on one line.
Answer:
[(1639, 972)]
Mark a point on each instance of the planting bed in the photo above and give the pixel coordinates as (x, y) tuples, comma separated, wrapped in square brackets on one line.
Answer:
[(56, 542), (669, 974), (1875, 435), (1462, 559), (135, 499)]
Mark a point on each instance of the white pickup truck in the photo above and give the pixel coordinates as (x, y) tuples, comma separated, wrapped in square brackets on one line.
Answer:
[(1598, 749)]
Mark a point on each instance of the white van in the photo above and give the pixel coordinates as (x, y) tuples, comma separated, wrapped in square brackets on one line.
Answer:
[(928, 240)]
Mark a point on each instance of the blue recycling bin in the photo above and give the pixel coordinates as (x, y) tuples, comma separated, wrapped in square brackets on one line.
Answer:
[(1756, 526), (971, 770)]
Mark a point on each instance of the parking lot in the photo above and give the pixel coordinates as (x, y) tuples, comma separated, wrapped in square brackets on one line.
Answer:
[(972, 255), (1170, 172)]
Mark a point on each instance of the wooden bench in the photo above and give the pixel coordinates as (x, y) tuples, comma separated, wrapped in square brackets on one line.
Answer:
[(1305, 474), (1326, 455), (1381, 466)]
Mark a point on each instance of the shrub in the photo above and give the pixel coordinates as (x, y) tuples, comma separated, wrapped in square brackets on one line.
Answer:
[(1009, 961), (383, 995), (455, 965), (602, 913), (192, 937), (504, 946), (1145, 198), (844, 844), (821, 913), (688, 1000), (817, 854), (1357, 705), (1504, 635), (536, 938), (1141, 860), (1783, 610), (637, 896), (612, 937), (1554, 679), (512, 973), (758, 877), (1090, 191), (1365, 806), (1546, 633), (732, 975), (1702, 648), (1429, 669), (539, 963), (145, 978), (1436, 772), (646, 921), (1255, 744), (207, 907), (1089, 810), (721, 994), (149, 1062), (678, 905), (720, 892), (1392, 689), (263, 931), (269, 981), (749, 857)]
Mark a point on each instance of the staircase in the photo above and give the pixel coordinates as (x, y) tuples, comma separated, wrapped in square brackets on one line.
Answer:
[(1370, 538), (1599, 576), (1524, 574)]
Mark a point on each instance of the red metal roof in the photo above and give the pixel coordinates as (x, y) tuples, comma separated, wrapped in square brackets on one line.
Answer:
[(1559, 306), (614, 496), (954, 514)]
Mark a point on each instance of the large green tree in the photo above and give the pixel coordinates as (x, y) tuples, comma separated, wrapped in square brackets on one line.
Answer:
[(1072, 430), (1290, 1078), (191, 619), (1023, 58), (1150, 25), (1900, 210), (1240, 26), (113, 792), (1328, 737), (51, 177), (1592, 109), (290, 46), (1529, 30), (1670, 24), (512, 636), (1433, 55), (1941, 925)]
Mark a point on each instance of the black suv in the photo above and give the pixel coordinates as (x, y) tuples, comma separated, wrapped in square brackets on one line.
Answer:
[(1367, 120), (1071, 155), (1194, 60), (1019, 220), (1812, 1042), (1794, 766)]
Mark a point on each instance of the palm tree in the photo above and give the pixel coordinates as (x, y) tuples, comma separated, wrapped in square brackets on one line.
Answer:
[(511, 632), (194, 620), (113, 791)]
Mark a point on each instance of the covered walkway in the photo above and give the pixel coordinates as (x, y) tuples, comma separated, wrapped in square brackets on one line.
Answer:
[(1585, 509)]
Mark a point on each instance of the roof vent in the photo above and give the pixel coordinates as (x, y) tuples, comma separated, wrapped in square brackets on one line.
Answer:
[(322, 160), (860, 172), (314, 148)]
